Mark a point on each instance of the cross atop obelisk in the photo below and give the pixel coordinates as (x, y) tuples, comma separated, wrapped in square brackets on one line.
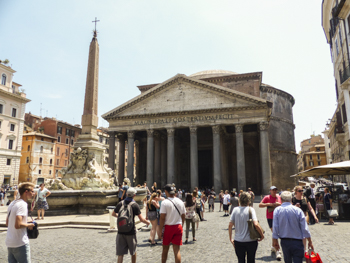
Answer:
[(89, 120), (95, 31)]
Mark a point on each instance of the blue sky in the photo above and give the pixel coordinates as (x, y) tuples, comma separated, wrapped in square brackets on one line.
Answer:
[(143, 42)]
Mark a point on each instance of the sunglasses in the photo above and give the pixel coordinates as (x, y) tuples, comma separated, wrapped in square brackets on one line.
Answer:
[(300, 191)]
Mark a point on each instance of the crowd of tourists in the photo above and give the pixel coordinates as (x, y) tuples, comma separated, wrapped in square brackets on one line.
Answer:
[(172, 211)]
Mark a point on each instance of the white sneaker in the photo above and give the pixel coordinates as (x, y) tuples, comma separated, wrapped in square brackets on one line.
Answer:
[(273, 250), (279, 255)]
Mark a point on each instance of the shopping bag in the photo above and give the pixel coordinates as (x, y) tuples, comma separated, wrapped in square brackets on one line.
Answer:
[(312, 257), (332, 213)]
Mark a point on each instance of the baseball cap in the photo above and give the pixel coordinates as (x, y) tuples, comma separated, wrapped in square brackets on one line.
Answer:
[(170, 189), (131, 192), (273, 187)]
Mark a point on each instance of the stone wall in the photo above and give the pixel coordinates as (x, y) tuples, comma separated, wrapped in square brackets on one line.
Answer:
[(283, 157)]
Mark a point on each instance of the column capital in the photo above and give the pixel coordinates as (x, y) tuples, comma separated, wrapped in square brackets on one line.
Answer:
[(157, 134), (263, 126), (131, 134), (239, 128), (120, 136), (150, 132), (193, 130), (345, 86), (216, 129), (171, 132), (111, 134)]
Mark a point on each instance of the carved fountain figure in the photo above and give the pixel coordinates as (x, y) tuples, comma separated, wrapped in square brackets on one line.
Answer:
[(81, 172)]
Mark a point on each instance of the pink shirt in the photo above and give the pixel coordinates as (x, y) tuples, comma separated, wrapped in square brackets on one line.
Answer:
[(270, 199)]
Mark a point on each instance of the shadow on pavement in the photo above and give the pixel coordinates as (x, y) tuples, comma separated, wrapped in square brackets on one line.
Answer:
[(266, 258)]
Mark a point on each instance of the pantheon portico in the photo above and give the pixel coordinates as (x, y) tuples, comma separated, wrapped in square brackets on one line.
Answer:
[(213, 128)]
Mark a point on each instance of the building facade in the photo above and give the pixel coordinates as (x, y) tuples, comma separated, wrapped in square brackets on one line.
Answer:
[(213, 128), (38, 156), (103, 135), (65, 134), (12, 108), (312, 153), (336, 26)]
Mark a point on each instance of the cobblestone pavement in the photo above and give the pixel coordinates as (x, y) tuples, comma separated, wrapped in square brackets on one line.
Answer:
[(83, 245)]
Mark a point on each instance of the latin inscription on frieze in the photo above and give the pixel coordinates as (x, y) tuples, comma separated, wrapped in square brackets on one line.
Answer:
[(186, 119)]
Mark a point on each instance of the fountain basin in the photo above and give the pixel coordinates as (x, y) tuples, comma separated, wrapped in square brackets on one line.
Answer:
[(87, 202)]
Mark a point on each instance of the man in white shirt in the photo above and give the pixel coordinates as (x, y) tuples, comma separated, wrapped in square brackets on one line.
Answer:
[(225, 202), (172, 217), (17, 241)]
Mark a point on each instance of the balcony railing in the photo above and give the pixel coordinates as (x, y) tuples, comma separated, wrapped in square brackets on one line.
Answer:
[(344, 75)]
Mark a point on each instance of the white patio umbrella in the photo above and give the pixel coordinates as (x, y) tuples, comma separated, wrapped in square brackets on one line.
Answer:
[(329, 169)]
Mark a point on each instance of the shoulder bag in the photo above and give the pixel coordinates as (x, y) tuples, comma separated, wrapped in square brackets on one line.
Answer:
[(254, 234), (33, 233)]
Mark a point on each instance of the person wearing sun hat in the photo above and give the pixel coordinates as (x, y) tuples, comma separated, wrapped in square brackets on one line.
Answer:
[(272, 201)]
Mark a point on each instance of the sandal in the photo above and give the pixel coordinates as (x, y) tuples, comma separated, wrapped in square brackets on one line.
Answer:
[(186, 241), (194, 239)]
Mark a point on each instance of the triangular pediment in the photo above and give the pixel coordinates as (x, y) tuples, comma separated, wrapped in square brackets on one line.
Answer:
[(184, 94)]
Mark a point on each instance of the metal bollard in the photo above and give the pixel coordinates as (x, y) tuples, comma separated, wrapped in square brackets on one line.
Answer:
[(112, 220)]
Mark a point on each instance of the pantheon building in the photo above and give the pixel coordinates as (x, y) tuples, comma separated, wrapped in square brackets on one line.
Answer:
[(213, 128)]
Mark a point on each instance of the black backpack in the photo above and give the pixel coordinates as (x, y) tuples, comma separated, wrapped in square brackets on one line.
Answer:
[(125, 219)]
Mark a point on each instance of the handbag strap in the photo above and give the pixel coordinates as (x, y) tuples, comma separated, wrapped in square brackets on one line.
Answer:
[(250, 213), (175, 207)]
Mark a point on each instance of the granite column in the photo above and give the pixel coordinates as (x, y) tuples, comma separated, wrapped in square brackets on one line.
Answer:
[(150, 158), (171, 156), (121, 158), (216, 158), (163, 159), (131, 139), (157, 165), (194, 157), (111, 153), (241, 178), (265, 157)]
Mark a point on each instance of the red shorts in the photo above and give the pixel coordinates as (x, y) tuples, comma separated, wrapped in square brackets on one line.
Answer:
[(172, 234)]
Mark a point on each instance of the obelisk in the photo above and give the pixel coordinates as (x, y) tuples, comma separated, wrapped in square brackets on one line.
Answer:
[(88, 138), (89, 120)]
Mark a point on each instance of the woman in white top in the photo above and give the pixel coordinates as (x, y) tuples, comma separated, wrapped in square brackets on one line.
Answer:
[(41, 202), (242, 242)]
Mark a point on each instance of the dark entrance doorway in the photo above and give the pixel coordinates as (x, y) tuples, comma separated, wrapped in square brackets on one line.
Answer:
[(205, 168)]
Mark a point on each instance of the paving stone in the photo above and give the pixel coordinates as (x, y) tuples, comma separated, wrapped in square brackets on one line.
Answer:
[(91, 245)]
